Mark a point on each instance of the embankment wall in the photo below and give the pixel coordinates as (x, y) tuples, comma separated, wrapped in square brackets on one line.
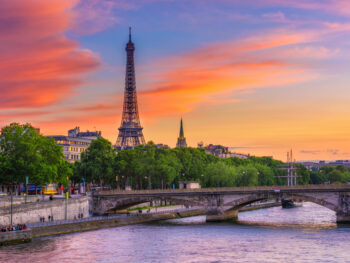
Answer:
[(113, 222), (5, 201), (13, 237), (31, 213)]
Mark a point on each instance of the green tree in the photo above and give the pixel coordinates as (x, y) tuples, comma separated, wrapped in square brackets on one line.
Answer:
[(316, 177), (265, 174), (303, 174), (336, 176), (26, 153), (168, 168), (219, 174), (248, 176), (97, 163)]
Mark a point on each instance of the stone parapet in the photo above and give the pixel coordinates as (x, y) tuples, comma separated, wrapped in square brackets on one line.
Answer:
[(32, 212), (14, 237), (5, 201)]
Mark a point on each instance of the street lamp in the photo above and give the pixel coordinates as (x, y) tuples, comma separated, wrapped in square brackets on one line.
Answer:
[(11, 203), (84, 187)]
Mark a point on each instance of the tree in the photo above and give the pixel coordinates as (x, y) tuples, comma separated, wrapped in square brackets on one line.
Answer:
[(336, 176), (97, 162), (26, 153), (316, 177), (168, 168), (303, 174), (265, 174), (248, 176), (219, 174)]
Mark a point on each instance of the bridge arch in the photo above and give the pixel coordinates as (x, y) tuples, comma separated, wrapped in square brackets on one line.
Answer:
[(246, 200), (124, 203)]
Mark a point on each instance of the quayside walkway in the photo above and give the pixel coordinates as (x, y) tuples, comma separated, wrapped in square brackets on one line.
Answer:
[(224, 203), (97, 222)]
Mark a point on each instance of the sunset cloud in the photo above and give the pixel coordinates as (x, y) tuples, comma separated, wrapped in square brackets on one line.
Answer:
[(39, 64), (93, 16), (184, 80), (266, 74), (341, 7)]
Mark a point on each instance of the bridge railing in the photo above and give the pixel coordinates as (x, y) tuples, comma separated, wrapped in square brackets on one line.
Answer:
[(217, 189)]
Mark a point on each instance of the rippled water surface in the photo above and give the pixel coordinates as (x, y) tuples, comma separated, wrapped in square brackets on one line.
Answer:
[(303, 234)]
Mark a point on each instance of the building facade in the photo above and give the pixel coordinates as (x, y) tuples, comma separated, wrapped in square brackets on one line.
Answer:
[(221, 151), (189, 185), (75, 143)]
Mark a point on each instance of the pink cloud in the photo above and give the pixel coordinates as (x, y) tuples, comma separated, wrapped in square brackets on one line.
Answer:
[(340, 7), (39, 64), (184, 80), (92, 16)]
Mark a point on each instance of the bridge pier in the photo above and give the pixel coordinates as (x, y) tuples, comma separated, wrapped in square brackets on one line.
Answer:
[(218, 216), (343, 213)]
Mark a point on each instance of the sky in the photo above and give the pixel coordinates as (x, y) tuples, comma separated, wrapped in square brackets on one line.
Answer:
[(260, 76)]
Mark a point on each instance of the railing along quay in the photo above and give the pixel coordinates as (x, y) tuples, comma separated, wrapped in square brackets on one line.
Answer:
[(230, 189), (99, 218)]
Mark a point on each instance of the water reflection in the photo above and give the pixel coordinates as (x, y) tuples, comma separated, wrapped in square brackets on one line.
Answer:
[(192, 240)]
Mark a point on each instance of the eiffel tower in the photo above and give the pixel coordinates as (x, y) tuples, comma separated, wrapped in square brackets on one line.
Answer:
[(130, 131)]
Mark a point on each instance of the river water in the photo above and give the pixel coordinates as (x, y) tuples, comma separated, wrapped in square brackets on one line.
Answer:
[(302, 234)]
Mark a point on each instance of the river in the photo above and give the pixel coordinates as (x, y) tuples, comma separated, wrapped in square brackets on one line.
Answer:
[(302, 234)]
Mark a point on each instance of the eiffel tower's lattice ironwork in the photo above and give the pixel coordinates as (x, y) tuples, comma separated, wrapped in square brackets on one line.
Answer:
[(130, 131)]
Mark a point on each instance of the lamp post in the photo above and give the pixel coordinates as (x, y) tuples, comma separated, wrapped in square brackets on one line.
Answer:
[(11, 204), (66, 206), (84, 189), (26, 194)]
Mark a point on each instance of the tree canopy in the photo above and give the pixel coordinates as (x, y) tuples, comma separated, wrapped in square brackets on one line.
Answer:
[(97, 163), (151, 167), (24, 152)]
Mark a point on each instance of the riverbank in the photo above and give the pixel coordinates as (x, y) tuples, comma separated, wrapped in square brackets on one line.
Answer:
[(89, 224), (59, 209), (259, 206), (94, 224), (15, 237)]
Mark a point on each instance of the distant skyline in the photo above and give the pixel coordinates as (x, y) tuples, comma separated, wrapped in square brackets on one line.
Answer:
[(265, 76)]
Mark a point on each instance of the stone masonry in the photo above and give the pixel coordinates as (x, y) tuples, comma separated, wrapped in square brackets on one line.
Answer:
[(31, 213), (224, 203)]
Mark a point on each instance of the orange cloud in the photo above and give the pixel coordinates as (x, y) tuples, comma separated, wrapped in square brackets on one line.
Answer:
[(184, 80), (39, 64)]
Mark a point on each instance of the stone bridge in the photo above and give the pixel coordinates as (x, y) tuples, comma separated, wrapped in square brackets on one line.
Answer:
[(223, 203)]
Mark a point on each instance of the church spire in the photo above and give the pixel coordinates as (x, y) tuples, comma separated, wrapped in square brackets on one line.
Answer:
[(181, 130), (181, 141)]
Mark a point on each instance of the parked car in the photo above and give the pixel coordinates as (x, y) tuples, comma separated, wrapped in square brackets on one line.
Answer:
[(3, 194)]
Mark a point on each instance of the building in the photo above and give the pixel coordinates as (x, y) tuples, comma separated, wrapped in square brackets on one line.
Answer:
[(218, 150), (189, 185), (240, 155), (181, 141), (161, 145), (221, 151), (130, 131), (87, 135), (75, 143), (316, 165)]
